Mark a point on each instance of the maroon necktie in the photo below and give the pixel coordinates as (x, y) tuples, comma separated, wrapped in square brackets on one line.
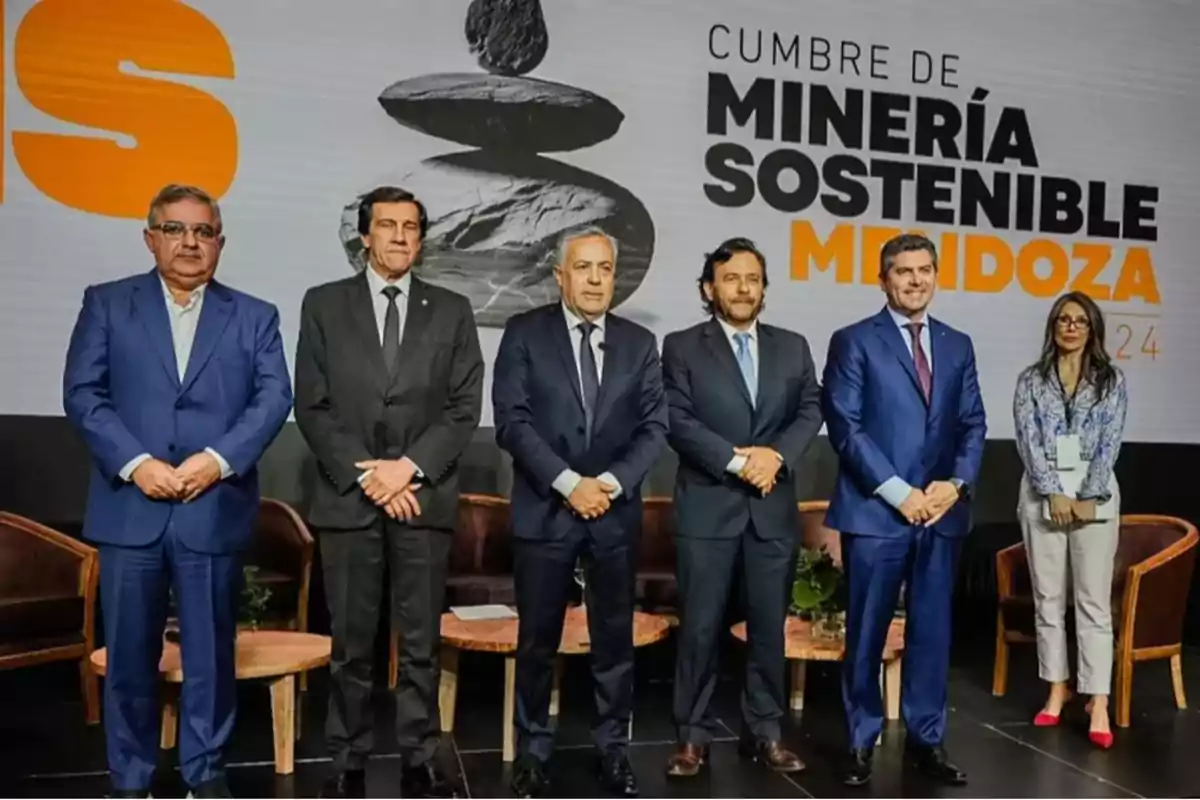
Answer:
[(924, 376)]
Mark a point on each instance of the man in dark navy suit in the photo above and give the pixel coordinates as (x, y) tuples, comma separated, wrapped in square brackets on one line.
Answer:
[(177, 384), (906, 418), (579, 405), (744, 406)]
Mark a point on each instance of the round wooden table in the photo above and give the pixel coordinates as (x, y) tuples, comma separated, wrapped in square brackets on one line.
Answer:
[(275, 655), (500, 636), (802, 646)]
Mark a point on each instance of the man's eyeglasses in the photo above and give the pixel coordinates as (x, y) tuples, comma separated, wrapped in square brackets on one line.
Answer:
[(177, 230)]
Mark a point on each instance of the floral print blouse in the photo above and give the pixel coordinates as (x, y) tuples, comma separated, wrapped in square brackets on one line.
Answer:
[(1040, 417)]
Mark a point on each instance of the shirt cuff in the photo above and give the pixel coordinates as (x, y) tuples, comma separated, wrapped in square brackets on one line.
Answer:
[(611, 479), (736, 464), (894, 491), (126, 472), (226, 470), (416, 468), (566, 482)]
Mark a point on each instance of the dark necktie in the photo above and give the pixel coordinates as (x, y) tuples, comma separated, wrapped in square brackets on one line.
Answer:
[(391, 330), (589, 376), (924, 375)]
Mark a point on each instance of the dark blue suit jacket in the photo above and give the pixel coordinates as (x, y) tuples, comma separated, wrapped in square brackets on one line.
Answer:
[(539, 420), (880, 426), (122, 391)]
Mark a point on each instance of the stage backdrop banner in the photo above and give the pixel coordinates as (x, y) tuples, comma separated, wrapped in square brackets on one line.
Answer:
[(1043, 146)]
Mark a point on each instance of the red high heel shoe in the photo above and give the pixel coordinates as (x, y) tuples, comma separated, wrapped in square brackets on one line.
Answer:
[(1045, 720), (1101, 739)]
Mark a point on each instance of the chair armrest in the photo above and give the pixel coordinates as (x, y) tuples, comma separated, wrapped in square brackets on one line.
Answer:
[(1008, 562), (1156, 593)]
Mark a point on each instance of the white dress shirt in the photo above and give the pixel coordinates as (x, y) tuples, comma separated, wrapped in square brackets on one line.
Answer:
[(184, 319), (568, 479)]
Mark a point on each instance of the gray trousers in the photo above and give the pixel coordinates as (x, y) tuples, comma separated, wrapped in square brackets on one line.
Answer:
[(1061, 559)]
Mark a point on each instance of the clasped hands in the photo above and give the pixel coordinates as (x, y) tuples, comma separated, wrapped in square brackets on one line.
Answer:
[(1066, 511), (928, 506), (390, 484), (761, 468), (158, 480), (591, 498)]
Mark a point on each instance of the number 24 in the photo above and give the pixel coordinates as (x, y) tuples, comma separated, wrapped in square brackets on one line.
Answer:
[(1149, 343)]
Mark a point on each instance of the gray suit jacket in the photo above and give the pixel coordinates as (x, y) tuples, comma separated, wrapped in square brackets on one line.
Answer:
[(711, 413), (349, 411)]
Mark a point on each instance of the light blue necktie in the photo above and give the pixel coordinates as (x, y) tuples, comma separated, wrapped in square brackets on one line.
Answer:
[(746, 364)]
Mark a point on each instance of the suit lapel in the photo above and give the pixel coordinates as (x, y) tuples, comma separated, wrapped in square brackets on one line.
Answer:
[(150, 305), (616, 368), (941, 356), (769, 372), (892, 336), (215, 314), (361, 311), (417, 318), (718, 346), (557, 324)]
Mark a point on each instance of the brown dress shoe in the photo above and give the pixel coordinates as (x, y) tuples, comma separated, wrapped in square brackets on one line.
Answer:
[(686, 761), (773, 754)]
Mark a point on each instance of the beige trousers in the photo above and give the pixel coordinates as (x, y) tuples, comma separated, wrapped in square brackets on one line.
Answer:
[(1075, 563)]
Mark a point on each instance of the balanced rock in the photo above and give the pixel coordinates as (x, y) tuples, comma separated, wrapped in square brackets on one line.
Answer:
[(494, 222), (501, 112), (508, 37)]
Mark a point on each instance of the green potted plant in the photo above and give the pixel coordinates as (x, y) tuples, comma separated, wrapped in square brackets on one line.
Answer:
[(818, 594), (251, 609)]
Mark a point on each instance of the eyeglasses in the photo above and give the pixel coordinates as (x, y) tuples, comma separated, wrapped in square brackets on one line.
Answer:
[(177, 230), (1073, 322)]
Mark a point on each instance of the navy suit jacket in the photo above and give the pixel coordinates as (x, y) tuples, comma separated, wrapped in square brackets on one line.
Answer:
[(880, 426), (711, 413), (122, 392), (539, 420)]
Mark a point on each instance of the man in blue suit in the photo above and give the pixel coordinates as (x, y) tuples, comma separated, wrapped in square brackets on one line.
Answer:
[(905, 416), (579, 404), (177, 384)]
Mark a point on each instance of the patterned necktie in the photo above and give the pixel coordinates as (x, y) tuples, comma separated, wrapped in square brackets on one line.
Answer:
[(924, 375), (391, 330), (746, 364), (589, 376)]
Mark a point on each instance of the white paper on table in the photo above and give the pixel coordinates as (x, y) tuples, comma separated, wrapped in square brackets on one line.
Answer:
[(475, 613)]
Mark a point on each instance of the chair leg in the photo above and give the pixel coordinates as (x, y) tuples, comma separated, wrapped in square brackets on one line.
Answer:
[(1177, 681), (1000, 668), (448, 688), (1124, 690), (90, 684)]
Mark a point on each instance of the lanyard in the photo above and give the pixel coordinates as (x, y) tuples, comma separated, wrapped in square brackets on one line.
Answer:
[(1068, 402)]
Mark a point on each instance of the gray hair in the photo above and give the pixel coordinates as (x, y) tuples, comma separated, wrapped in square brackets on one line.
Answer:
[(174, 193), (583, 232)]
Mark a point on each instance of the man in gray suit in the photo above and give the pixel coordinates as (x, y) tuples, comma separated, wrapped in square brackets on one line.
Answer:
[(744, 406), (389, 388)]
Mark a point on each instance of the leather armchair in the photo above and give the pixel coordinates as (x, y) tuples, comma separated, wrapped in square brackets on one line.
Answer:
[(1156, 557), (48, 586), (283, 550)]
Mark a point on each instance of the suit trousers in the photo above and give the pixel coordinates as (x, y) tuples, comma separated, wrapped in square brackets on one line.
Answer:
[(705, 569), (417, 560), (875, 566), (1078, 560), (134, 586), (544, 572)]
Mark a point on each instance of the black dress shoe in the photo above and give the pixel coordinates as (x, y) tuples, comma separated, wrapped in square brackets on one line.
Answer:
[(529, 778), (351, 783), (858, 766), (213, 787), (770, 752), (425, 780), (933, 762), (616, 776)]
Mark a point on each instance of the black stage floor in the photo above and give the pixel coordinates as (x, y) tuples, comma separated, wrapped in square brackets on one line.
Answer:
[(47, 751)]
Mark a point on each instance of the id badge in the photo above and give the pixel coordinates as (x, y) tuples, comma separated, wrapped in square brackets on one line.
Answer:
[(1067, 454)]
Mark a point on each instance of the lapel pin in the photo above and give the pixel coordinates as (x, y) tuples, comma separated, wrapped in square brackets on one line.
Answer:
[(424, 302)]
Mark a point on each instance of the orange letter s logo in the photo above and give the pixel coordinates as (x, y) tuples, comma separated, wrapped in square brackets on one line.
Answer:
[(68, 55)]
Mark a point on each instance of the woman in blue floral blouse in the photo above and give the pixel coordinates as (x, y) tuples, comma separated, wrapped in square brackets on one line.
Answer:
[(1069, 410)]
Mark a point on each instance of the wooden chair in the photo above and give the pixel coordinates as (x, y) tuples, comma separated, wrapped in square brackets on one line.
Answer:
[(1152, 576), (813, 532), (48, 586), (283, 551), (656, 589)]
